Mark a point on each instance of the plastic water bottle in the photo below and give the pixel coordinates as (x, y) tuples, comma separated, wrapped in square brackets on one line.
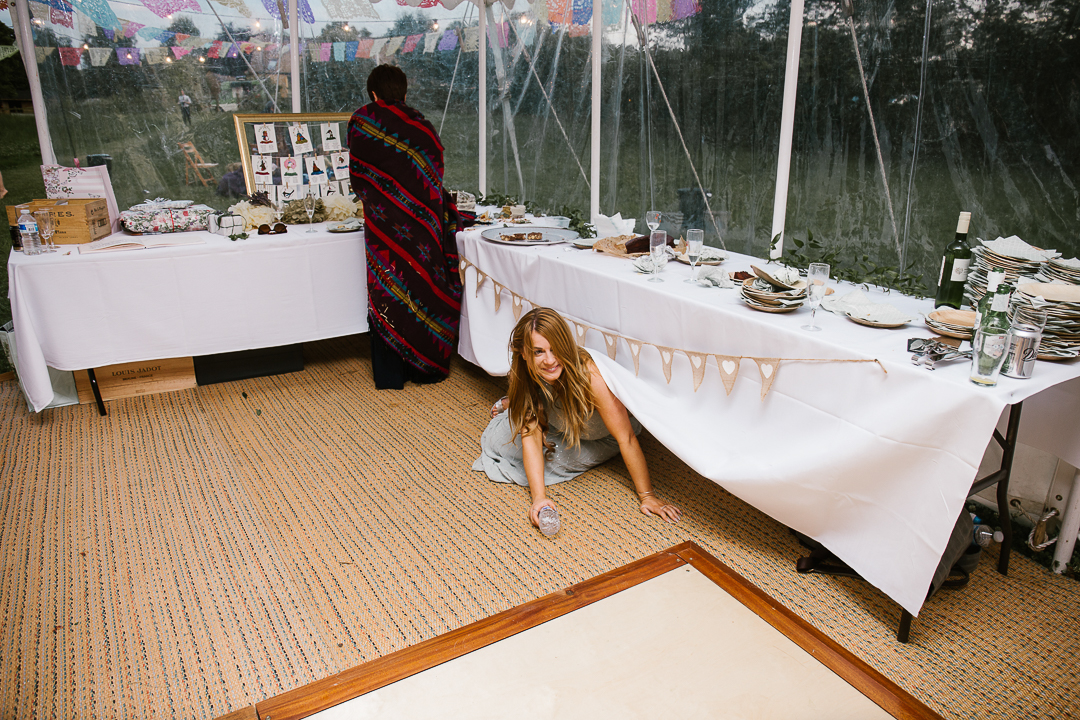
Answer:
[(549, 520), (984, 534), (28, 233)]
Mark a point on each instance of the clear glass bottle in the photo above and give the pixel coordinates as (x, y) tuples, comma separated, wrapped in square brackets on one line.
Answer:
[(549, 520), (993, 279), (28, 233), (955, 262), (991, 338)]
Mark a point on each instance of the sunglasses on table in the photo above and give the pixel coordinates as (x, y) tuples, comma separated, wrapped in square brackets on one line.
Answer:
[(275, 230)]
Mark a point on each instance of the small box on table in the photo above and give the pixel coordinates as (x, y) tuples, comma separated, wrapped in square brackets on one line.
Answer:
[(78, 220)]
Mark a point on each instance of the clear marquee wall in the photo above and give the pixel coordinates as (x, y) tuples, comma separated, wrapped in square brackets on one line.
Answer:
[(972, 105)]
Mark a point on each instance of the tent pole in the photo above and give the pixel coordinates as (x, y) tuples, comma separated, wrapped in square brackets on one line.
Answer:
[(594, 167), (294, 53), (787, 128), (25, 39), (483, 97)]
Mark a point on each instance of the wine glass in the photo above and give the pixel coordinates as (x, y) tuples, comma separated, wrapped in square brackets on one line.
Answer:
[(816, 277), (695, 238), (46, 228), (658, 252), (652, 219), (309, 206)]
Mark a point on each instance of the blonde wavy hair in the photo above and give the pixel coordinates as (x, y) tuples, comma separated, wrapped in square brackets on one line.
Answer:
[(572, 390)]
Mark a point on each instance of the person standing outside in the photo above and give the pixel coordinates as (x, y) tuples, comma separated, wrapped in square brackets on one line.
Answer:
[(414, 290), (185, 107)]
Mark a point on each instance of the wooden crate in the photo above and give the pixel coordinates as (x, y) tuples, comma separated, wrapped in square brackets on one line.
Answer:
[(148, 377), (77, 220)]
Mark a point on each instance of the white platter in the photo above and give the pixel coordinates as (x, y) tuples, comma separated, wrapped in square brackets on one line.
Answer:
[(551, 236)]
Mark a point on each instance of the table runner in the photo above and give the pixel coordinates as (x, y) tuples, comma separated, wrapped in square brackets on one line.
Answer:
[(75, 311), (876, 466)]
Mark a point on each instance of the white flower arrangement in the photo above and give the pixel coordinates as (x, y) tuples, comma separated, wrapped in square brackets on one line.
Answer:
[(341, 207), (253, 215)]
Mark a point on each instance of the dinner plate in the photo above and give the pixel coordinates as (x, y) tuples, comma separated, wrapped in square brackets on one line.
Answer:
[(550, 236), (684, 261), (584, 243), (871, 323), (344, 227)]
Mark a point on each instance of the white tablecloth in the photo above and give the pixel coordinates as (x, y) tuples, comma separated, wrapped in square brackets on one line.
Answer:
[(74, 311), (876, 466)]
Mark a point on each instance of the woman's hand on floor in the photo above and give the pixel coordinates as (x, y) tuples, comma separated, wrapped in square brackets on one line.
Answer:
[(501, 404), (534, 511), (654, 508)]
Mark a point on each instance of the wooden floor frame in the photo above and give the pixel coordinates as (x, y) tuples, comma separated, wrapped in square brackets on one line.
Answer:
[(314, 697)]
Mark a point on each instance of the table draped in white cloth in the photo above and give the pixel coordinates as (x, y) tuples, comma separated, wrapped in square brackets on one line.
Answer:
[(875, 465), (73, 311)]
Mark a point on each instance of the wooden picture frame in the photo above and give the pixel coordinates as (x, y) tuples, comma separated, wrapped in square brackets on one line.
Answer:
[(248, 143)]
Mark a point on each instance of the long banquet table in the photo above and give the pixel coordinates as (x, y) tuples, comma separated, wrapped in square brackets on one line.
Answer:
[(73, 311), (876, 466)]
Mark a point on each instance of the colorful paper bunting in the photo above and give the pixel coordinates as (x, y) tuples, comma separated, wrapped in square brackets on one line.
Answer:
[(155, 56), (449, 41), (393, 45), (346, 9), (42, 53), (99, 11), (350, 50), (179, 52), (411, 42), (164, 8), (431, 40), (471, 40), (303, 9), (7, 51), (128, 56), (100, 56), (339, 51), (70, 56), (363, 47)]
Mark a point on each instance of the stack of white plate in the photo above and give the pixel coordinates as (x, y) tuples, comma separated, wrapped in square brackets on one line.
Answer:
[(952, 323), (763, 295), (1019, 261), (1061, 337), (1060, 270)]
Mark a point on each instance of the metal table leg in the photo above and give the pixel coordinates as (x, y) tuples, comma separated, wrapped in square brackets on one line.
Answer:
[(97, 392)]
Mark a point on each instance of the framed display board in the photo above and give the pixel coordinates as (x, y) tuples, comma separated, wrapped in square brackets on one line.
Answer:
[(288, 155)]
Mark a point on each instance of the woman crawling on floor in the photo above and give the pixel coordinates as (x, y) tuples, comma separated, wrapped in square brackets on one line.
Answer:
[(560, 419)]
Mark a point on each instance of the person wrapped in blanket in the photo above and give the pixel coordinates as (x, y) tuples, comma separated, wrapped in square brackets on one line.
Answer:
[(560, 419), (414, 290)]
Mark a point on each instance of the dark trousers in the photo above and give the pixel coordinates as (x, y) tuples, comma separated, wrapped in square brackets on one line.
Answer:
[(185, 111), (391, 371)]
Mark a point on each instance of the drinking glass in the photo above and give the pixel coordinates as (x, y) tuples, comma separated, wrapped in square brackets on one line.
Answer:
[(46, 229), (309, 206), (658, 253), (695, 238), (816, 277), (652, 219)]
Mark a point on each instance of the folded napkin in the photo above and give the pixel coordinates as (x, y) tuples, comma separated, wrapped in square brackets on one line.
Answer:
[(1014, 247), (711, 254), (715, 277), (613, 226)]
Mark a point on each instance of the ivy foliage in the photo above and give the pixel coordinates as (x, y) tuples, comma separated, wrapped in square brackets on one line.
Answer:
[(854, 267)]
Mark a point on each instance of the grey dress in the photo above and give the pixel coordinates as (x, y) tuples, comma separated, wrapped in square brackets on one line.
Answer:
[(502, 460)]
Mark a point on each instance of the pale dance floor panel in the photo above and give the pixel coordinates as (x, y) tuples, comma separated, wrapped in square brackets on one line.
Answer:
[(677, 645)]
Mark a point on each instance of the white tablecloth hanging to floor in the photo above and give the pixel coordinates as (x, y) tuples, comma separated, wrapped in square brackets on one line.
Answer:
[(876, 466), (74, 311)]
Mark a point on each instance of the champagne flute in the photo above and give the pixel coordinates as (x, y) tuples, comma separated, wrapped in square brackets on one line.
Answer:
[(816, 277), (658, 253), (309, 206), (46, 228), (695, 238), (652, 219)]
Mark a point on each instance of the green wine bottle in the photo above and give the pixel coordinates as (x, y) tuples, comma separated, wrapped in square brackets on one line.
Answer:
[(991, 337), (955, 262)]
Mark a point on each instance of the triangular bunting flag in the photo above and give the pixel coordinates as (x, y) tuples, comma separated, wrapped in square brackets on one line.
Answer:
[(666, 354), (100, 56), (697, 364), (516, 300), (611, 342), (580, 330), (635, 351), (767, 367), (461, 270), (498, 295), (480, 278), (729, 370), (7, 51), (42, 53)]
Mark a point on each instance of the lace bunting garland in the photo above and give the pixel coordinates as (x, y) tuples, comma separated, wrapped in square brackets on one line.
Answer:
[(728, 365)]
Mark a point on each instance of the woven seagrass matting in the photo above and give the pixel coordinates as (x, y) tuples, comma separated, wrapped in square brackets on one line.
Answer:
[(199, 551)]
